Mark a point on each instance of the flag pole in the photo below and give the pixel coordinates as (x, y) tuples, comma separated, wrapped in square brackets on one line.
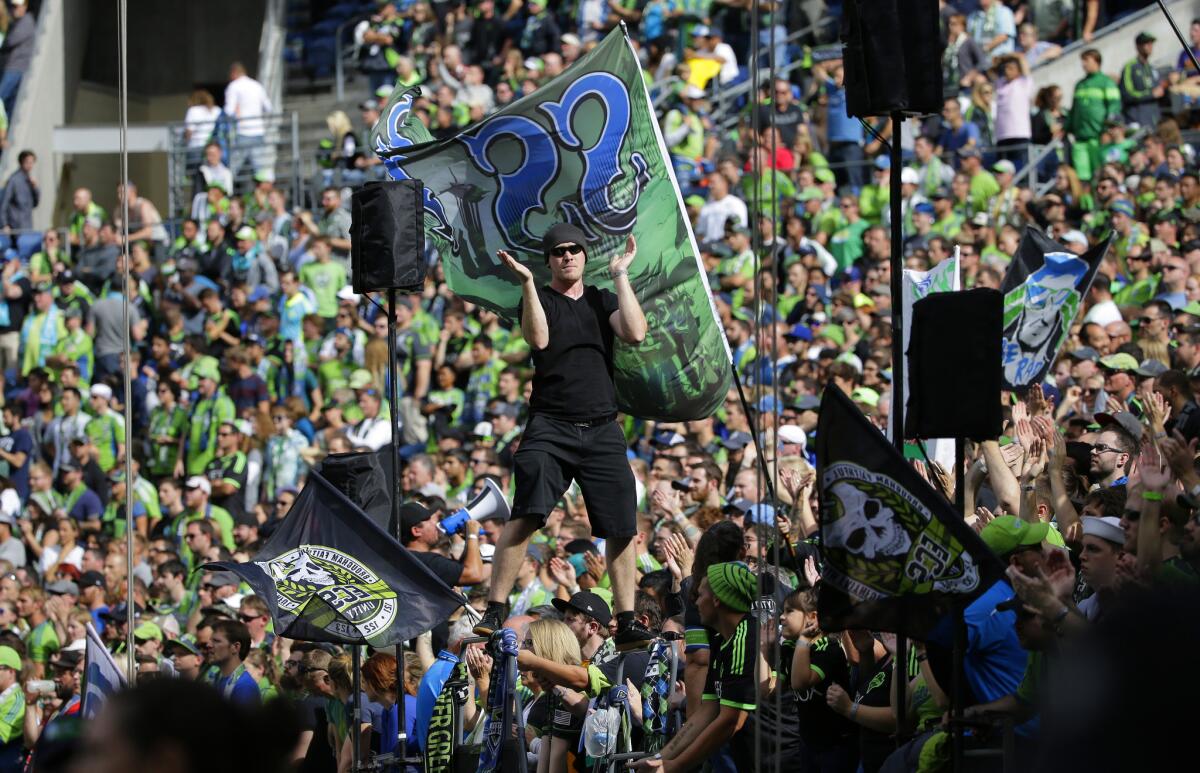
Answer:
[(127, 344), (958, 679), (397, 493), (897, 412), (356, 712)]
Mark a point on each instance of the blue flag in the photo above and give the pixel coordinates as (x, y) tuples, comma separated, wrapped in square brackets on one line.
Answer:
[(101, 675)]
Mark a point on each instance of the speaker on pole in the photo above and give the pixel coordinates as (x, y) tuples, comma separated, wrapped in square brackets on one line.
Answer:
[(893, 57), (954, 357), (387, 237)]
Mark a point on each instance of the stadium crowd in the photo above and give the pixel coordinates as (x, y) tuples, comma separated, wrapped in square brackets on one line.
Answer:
[(253, 359)]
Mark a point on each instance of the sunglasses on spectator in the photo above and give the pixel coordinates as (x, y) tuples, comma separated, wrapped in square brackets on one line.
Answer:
[(1100, 448), (249, 618), (565, 249)]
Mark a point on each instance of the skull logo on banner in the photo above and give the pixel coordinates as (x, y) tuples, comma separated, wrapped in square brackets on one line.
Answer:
[(868, 527)]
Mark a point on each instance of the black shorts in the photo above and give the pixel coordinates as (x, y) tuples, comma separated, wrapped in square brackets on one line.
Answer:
[(553, 452)]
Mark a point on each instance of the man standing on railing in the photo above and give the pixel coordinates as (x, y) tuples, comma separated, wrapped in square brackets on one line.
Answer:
[(21, 195), (246, 102)]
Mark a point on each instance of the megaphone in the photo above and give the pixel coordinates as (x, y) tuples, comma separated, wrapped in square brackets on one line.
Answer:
[(490, 503)]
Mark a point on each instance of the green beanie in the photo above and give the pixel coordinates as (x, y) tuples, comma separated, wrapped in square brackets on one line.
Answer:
[(733, 584)]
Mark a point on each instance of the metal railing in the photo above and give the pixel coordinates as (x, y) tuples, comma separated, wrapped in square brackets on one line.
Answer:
[(278, 151)]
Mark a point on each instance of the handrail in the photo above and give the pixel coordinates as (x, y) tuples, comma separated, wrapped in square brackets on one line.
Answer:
[(281, 135), (338, 65)]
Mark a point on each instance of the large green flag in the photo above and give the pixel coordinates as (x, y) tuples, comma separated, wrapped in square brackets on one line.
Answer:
[(584, 148)]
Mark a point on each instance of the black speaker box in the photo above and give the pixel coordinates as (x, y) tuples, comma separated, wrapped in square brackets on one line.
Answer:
[(892, 57), (954, 360), (365, 480), (387, 236)]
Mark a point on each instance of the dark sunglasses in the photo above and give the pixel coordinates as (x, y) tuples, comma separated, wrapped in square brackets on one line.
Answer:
[(573, 249), (249, 618)]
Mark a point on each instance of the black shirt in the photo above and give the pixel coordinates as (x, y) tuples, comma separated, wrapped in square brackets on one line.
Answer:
[(449, 572), (786, 121), (17, 307), (874, 746), (822, 728), (232, 469), (573, 376), (731, 679)]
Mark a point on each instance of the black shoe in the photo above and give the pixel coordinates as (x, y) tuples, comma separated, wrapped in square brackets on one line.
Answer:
[(633, 636), (492, 621)]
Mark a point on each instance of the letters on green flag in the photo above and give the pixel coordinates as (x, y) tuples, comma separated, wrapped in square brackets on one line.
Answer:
[(584, 148)]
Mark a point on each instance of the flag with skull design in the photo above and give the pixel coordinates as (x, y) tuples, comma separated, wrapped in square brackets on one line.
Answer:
[(895, 553), (1043, 291), (329, 573)]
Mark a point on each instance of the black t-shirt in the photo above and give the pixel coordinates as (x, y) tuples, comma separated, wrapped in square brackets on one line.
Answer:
[(314, 716), (232, 468), (820, 727), (573, 376), (731, 677), (874, 746), (18, 307), (780, 728), (786, 121), (449, 572)]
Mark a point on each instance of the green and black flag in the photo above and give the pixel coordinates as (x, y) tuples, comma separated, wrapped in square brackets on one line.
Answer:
[(1043, 292), (895, 553), (584, 148), (329, 573)]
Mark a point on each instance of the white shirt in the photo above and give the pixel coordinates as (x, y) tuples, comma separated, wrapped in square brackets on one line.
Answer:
[(372, 433), (245, 98), (200, 122), (729, 65), (1103, 313), (710, 225)]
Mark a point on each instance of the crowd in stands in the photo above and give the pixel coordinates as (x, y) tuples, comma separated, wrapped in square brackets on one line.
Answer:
[(253, 358)]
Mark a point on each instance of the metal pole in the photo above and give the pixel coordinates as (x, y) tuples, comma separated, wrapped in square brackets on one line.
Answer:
[(122, 42), (958, 681), (394, 401), (1175, 28), (897, 263), (356, 710), (297, 190)]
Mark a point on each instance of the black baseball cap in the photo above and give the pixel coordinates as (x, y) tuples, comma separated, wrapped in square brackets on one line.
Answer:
[(589, 604), (92, 579), (411, 514)]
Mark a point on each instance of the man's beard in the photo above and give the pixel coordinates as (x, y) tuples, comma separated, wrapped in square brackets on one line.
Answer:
[(289, 683)]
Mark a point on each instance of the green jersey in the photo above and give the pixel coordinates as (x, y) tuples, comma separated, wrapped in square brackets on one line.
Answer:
[(107, 433), (1096, 99), (206, 419), (324, 279)]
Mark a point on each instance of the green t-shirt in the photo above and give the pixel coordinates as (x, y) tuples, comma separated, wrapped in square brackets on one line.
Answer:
[(846, 244), (205, 421), (107, 433), (12, 714), (42, 642), (163, 453), (983, 188), (325, 279)]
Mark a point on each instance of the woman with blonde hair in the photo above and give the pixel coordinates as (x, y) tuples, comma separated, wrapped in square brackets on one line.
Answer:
[(556, 727), (336, 153)]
